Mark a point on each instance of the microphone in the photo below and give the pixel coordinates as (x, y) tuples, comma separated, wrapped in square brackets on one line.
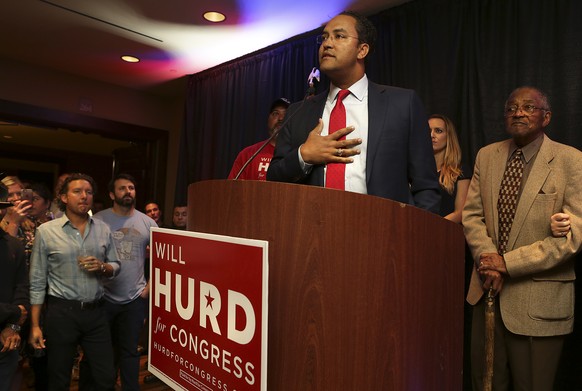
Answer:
[(274, 135)]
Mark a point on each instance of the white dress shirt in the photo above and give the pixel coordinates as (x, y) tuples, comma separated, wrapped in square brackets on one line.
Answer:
[(356, 104)]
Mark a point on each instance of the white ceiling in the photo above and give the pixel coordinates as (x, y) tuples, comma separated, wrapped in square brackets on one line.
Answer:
[(87, 37)]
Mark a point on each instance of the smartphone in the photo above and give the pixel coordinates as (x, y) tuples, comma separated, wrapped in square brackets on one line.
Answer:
[(26, 195)]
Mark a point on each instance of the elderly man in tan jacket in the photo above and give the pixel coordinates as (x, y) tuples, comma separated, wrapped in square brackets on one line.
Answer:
[(533, 274)]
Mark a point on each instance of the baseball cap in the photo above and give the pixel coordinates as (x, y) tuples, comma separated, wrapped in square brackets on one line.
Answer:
[(281, 102)]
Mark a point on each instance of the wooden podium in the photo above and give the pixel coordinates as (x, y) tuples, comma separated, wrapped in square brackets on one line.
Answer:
[(364, 293)]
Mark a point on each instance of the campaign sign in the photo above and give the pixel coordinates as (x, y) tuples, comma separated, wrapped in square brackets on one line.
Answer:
[(208, 311)]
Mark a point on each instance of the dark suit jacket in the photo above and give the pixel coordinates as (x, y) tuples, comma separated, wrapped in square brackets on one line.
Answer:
[(399, 164)]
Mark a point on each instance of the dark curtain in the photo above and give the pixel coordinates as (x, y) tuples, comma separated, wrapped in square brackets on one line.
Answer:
[(463, 57), (227, 106)]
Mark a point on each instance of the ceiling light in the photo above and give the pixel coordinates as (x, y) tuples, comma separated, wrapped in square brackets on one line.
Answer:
[(130, 59), (215, 17)]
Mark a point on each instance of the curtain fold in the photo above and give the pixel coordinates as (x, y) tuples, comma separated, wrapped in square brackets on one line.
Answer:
[(227, 106)]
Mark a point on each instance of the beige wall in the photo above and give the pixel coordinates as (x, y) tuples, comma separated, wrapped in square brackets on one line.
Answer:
[(28, 84)]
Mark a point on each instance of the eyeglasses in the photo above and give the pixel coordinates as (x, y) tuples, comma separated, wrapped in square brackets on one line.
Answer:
[(336, 37), (526, 109)]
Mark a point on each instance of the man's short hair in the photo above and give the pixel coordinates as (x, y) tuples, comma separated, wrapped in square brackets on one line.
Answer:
[(152, 202), (111, 185), (545, 99), (366, 30), (74, 177)]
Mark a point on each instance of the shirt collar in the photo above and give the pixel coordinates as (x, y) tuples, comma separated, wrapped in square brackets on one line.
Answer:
[(65, 220), (529, 150), (358, 90)]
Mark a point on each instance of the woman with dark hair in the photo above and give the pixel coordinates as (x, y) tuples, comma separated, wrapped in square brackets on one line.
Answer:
[(16, 215), (38, 214), (28, 213)]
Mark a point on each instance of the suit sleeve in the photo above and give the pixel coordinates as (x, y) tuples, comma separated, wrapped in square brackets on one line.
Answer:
[(476, 233), (550, 252), (285, 165)]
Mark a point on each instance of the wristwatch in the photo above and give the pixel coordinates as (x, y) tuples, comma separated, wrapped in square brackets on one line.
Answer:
[(14, 327)]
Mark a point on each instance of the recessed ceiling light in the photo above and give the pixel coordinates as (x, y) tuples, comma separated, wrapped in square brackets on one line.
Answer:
[(130, 59), (215, 17)]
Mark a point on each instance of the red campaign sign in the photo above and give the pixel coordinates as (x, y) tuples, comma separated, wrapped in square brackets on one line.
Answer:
[(208, 311)]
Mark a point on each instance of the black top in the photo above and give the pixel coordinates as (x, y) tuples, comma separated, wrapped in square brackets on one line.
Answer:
[(448, 200)]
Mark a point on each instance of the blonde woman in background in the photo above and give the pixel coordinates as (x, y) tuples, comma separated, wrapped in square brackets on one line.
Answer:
[(454, 177)]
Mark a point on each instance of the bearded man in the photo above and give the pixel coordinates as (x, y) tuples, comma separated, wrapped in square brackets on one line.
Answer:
[(126, 296)]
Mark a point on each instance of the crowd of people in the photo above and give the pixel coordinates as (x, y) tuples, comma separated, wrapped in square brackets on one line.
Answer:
[(75, 283), (518, 205)]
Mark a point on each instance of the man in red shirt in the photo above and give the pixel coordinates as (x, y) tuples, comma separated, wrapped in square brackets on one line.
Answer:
[(257, 168)]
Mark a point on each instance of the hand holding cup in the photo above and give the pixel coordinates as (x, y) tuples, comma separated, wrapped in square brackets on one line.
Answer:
[(88, 262)]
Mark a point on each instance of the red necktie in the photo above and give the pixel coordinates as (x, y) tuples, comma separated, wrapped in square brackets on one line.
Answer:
[(335, 174)]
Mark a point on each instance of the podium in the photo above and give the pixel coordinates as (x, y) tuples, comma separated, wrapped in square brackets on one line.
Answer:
[(364, 293)]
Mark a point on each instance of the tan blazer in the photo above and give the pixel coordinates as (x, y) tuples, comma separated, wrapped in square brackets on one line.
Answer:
[(537, 298)]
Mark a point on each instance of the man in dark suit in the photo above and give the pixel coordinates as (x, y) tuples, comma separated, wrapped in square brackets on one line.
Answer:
[(388, 153)]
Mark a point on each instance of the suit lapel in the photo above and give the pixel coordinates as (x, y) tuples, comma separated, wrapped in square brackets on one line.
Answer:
[(317, 104), (314, 108), (377, 111), (537, 177)]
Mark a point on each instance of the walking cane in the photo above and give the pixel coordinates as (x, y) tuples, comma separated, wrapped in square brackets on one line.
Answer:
[(489, 339)]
